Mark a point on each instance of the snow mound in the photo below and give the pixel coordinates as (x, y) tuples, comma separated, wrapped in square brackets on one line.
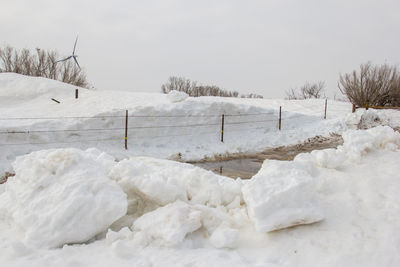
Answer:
[(357, 143), (281, 195), (177, 96), (372, 118), (151, 183), (63, 196), (167, 226)]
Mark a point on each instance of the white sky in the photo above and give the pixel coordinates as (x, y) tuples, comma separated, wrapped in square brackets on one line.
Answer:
[(264, 47)]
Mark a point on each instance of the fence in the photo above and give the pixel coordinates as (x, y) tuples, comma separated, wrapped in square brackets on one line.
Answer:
[(119, 127), (367, 106)]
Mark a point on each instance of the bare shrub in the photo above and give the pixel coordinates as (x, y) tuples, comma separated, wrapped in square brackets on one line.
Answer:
[(251, 95), (308, 90), (179, 84), (376, 85), (41, 64), (192, 89)]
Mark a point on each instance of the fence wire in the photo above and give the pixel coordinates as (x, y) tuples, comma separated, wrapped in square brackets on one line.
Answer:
[(285, 118)]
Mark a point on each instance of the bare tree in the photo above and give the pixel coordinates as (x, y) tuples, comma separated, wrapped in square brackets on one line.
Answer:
[(306, 91), (179, 84), (41, 64), (376, 85), (251, 95), (292, 94)]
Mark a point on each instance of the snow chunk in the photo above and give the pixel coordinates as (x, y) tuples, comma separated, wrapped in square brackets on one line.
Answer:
[(224, 237), (151, 183), (177, 96), (281, 195), (62, 196), (167, 226)]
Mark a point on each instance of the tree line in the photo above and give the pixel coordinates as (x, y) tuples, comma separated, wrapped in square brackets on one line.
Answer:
[(193, 89)]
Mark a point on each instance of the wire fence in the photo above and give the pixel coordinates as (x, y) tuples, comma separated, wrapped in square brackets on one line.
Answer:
[(121, 128)]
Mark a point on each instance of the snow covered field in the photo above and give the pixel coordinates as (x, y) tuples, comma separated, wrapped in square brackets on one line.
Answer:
[(81, 199)]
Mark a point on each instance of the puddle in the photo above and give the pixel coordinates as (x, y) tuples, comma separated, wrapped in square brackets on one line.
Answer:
[(246, 165)]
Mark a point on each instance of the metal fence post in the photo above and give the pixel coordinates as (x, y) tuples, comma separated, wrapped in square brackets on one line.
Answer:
[(126, 129), (280, 118), (222, 128)]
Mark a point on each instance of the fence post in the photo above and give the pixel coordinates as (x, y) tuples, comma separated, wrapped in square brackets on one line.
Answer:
[(126, 129), (326, 104), (222, 128), (367, 105), (354, 108), (76, 93), (280, 117)]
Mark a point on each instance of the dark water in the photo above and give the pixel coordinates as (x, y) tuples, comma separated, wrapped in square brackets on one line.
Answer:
[(247, 165), (244, 168)]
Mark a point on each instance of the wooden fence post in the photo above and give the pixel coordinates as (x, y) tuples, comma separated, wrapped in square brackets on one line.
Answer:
[(367, 105), (126, 129), (354, 108), (326, 104), (222, 128), (280, 118)]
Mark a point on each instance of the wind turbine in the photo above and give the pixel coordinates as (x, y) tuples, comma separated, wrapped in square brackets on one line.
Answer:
[(72, 56)]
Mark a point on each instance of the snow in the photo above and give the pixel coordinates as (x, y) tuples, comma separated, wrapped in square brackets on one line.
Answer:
[(177, 96), (62, 196), (164, 181), (106, 206), (189, 129), (168, 225), (224, 237), (281, 195)]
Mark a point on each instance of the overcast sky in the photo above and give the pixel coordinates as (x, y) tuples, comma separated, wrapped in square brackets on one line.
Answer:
[(264, 47)]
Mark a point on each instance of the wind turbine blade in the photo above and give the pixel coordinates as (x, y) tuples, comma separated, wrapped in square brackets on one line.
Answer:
[(76, 61), (63, 59), (76, 40)]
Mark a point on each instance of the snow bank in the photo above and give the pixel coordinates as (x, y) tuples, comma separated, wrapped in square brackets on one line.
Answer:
[(281, 195), (19, 86), (160, 125), (63, 196), (357, 143)]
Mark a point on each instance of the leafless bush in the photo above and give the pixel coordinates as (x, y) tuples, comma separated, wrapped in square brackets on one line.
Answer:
[(41, 64), (192, 89), (308, 90), (376, 85), (251, 96), (179, 84)]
